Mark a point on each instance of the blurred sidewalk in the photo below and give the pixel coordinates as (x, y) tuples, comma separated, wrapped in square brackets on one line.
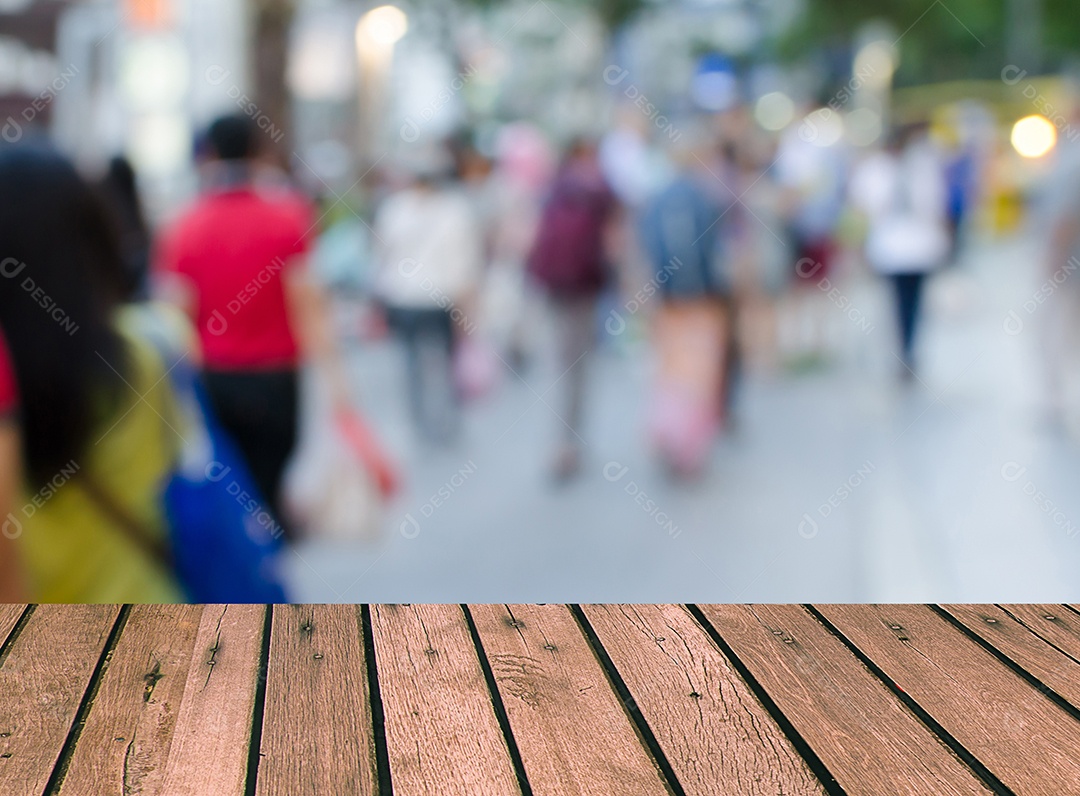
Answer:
[(837, 485)]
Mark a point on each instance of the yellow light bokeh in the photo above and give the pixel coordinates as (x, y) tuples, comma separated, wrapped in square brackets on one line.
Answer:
[(382, 26), (1033, 136)]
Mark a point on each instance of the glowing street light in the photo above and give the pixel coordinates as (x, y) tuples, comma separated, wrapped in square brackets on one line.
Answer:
[(381, 27), (1033, 136), (376, 34)]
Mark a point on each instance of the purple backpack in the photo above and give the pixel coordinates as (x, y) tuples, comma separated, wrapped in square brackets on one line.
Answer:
[(568, 254)]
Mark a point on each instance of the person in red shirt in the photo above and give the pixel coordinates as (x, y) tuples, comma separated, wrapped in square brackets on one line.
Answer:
[(236, 260)]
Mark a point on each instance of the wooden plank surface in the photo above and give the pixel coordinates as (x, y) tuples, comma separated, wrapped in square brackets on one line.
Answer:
[(124, 745), (42, 682), (571, 728), (211, 741), (1056, 624), (317, 731), (867, 739), (9, 617), (1026, 740), (442, 735), (1023, 647), (714, 732)]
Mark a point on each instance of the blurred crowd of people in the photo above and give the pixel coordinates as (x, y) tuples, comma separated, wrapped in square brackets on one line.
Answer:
[(128, 352)]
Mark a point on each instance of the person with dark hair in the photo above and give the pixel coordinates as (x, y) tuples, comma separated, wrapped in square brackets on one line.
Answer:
[(903, 193), (430, 261), (235, 260), (84, 395), (569, 260)]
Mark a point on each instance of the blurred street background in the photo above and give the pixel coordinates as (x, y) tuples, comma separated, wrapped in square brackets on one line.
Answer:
[(699, 300)]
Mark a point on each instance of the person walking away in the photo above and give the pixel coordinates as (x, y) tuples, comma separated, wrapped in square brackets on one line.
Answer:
[(87, 398), (814, 178), (682, 239), (430, 259), (568, 260), (236, 261), (903, 194)]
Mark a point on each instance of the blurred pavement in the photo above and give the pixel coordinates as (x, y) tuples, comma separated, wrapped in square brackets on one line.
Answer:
[(955, 488)]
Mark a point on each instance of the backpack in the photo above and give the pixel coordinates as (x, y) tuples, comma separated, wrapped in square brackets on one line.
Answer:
[(568, 255)]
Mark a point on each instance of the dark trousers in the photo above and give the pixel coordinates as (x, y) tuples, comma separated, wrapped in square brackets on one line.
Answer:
[(428, 337), (908, 290), (258, 410)]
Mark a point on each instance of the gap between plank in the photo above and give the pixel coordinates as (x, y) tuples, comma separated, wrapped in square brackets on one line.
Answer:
[(1036, 633), (819, 769), (255, 743), (5, 647), (618, 685), (972, 762), (501, 715), (1015, 667), (378, 717), (63, 760)]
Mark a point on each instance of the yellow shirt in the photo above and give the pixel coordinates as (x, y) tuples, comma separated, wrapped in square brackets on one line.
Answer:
[(70, 549)]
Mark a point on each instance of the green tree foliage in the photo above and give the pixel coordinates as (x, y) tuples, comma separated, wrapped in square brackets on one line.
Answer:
[(947, 39)]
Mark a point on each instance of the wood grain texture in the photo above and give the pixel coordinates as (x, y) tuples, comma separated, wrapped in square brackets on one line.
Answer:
[(317, 731), (867, 739), (1055, 623), (572, 730), (442, 735), (213, 728), (42, 683), (1026, 740), (9, 617), (715, 734), (125, 743), (1023, 647)]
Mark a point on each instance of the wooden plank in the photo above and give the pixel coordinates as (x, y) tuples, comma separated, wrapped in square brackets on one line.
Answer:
[(867, 739), (442, 735), (1026, 740), (212, 738), (9, 617), (124, 745), (715, 734), (571, 728), (1054, 623), (1020, 644), (42, 683), (317, 731)]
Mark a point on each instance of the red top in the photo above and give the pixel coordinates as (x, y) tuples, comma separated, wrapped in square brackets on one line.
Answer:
[(9, 388), (235, 247)]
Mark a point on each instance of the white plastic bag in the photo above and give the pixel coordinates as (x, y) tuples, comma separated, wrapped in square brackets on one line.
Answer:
[(329, 491)]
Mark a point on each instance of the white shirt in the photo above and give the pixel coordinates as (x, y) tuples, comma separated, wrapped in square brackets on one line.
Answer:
[(904, 199), (430, 248)]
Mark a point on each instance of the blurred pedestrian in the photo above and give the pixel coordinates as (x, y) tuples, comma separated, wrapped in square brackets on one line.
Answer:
[(83, 392), (903, 193), (569, 260), (523, 172), (815, 177), (430, 251), (121, 192), (682, 230), (236, 261)]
